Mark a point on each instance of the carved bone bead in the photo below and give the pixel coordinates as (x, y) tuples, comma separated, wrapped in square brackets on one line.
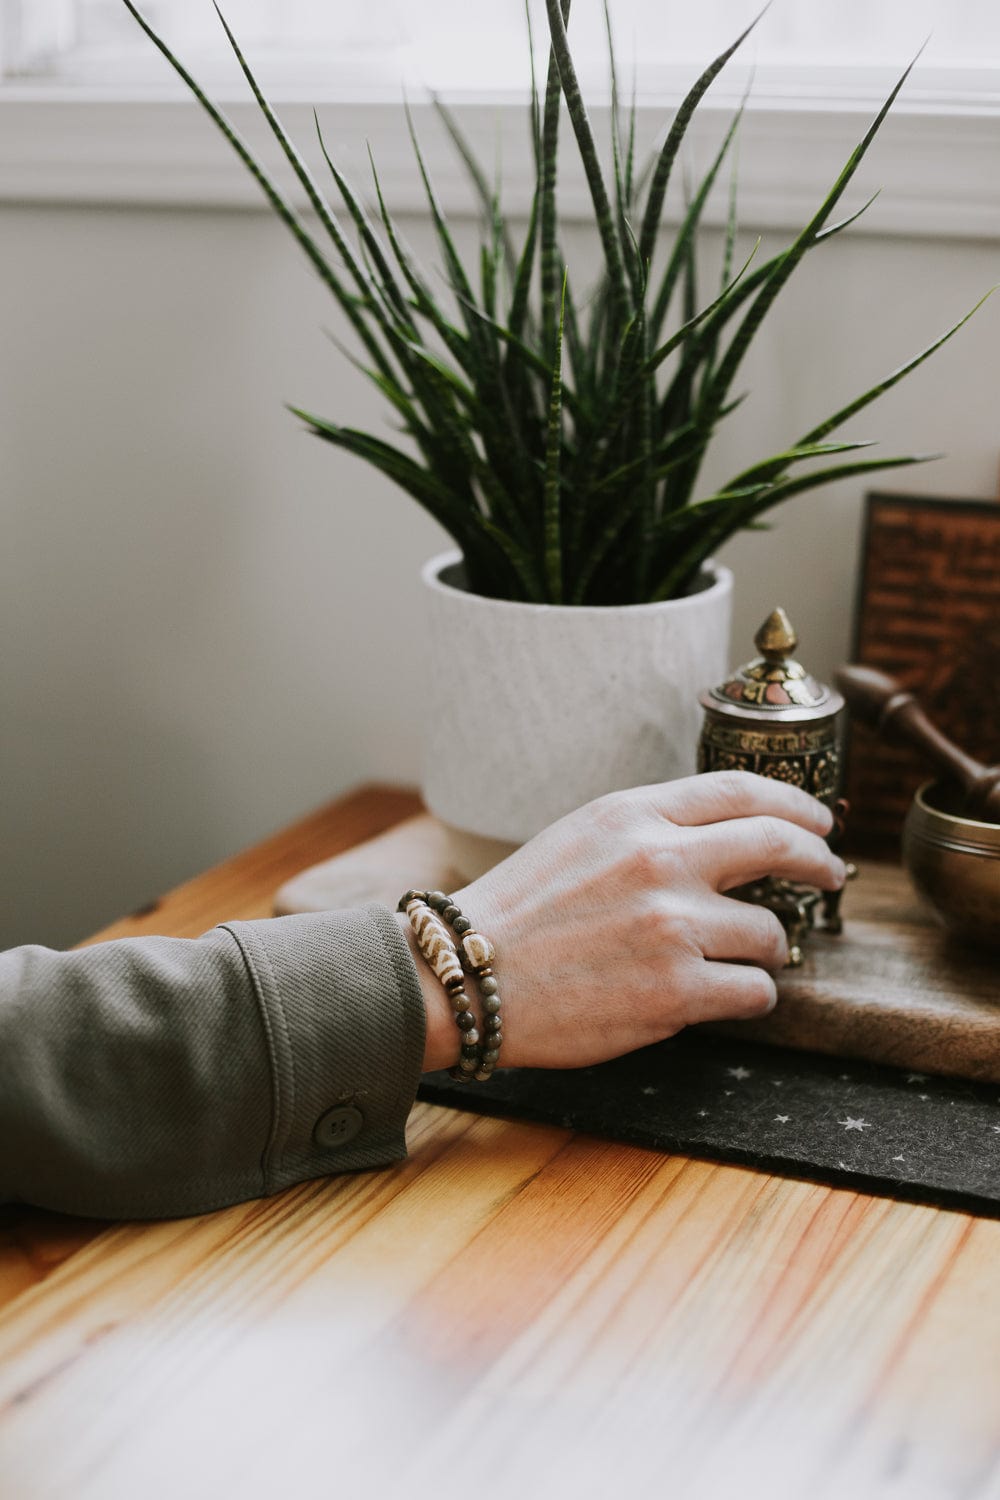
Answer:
[(477, 950), (435, 942)]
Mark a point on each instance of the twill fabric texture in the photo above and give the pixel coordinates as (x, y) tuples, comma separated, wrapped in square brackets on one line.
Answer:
[(157, 1077)]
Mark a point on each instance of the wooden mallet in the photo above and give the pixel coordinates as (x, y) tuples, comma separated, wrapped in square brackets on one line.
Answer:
[(881, 704)]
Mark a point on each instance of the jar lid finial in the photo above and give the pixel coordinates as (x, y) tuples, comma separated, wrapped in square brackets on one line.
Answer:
[(776, 638), (774, 686)]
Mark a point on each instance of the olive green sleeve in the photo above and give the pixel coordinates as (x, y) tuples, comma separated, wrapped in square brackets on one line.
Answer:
[(166, 1076)]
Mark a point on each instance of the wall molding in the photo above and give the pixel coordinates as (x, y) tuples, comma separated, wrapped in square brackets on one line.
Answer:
[(938, 167)]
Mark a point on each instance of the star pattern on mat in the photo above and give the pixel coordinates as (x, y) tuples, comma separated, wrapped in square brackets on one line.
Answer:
[(899, 1132)]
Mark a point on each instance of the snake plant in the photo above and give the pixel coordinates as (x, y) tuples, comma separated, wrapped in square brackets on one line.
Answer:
[(559, 438)]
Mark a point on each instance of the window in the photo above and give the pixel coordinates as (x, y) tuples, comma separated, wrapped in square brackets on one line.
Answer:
[(799, 47), (93, 113)]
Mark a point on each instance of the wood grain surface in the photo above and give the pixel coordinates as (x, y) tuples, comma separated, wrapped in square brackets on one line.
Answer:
[(514, 1310)]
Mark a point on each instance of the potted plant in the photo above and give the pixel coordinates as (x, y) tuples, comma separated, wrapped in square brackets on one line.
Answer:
[(560, 441)]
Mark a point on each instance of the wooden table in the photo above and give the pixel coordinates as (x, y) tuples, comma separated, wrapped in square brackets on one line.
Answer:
[(514, 1310)]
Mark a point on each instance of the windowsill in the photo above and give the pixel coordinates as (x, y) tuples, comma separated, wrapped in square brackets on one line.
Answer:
[(938, 162)]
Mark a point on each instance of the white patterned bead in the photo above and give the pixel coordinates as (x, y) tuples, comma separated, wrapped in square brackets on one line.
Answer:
[(435, 942), (478, 950)]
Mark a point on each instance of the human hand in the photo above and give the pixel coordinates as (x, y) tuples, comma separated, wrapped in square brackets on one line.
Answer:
[(612, 927)]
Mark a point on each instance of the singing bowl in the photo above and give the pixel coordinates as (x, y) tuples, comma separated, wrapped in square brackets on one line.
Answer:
[(954, 863)]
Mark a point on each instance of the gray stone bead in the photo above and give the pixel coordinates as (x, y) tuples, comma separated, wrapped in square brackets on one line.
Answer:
[(461, 1001), (494, 1041), (491, 1055), (471, 1038), (438, 900), (491, 1004), (458, 1075), (492, 1023), (450, 912), (488, 986), (469, 1064), (472, 1051), (482, 1074), (461, 924), (466, 1020)]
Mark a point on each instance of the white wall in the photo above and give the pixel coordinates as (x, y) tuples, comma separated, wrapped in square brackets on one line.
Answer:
[(204, 612)]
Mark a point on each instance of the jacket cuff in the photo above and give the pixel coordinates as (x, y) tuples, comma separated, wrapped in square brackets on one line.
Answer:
[(344, 1019)]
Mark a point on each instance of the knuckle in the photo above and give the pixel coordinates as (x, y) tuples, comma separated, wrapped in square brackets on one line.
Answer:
[(773, 834), (614, 811), (643, 863), (735, 789), (669, 928)]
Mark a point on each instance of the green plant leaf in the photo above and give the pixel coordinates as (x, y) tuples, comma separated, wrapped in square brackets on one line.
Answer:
[(683, 244), (548, 219), (486, 195), (730, 511), (801, 244), (284, 210), (860, 402), (767, 470), (606, 226), (540, 438), (553, 449), (387, 283), (675, 135)]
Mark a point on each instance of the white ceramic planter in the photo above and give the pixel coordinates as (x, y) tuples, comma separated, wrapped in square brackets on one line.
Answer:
[(533, 709)]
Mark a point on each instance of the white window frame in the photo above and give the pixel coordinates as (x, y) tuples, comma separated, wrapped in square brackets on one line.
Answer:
[(937, 157)]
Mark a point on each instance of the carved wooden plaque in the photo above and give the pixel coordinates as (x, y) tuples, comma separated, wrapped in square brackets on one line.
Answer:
[(929, 613)]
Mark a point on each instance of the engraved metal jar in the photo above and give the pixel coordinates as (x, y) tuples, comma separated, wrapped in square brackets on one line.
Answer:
[(774, 718), (771, 716)]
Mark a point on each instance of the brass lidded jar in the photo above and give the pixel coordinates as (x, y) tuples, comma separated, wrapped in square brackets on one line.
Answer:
[(773, 717)]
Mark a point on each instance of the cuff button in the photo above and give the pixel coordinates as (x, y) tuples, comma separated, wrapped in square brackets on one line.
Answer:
[(337, 1127)]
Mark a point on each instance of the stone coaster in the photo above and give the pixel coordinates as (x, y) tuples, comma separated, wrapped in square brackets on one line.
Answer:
[(852, 1124)]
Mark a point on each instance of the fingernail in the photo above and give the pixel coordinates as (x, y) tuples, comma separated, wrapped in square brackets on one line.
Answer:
[(841, 869)]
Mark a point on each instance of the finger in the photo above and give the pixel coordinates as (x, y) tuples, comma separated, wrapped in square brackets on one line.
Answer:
[(728, 929), (744, 849), (733, 992), (717, 796)]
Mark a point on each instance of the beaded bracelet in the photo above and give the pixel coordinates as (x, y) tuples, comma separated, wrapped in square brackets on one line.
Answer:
[(428, 911)]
